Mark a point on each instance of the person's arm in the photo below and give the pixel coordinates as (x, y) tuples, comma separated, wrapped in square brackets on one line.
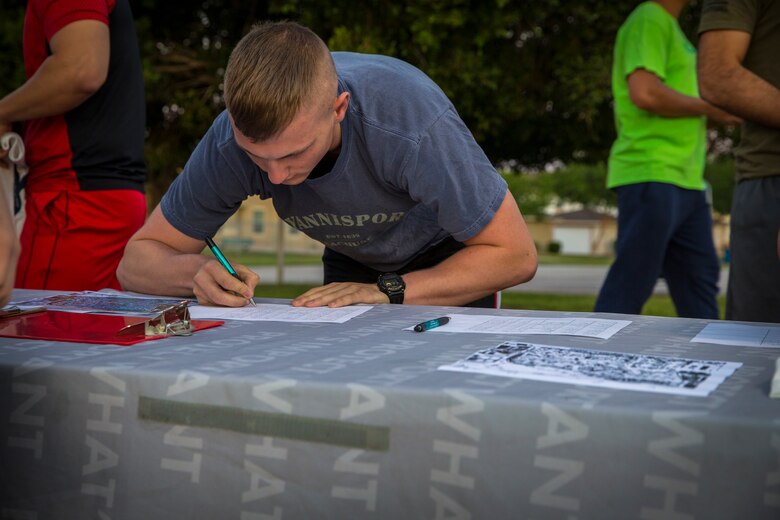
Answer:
[(4, 128), (76, 69), (159, 259), (501, 255), (725, 82), (9, 249), (649, 93)]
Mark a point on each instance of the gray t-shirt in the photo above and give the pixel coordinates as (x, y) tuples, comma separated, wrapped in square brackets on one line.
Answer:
[(409, 173)]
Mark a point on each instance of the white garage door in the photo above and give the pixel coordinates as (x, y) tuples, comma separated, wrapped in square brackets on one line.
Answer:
[(574, 241)]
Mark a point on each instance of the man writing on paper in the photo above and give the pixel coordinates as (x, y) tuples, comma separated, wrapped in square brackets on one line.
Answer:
[(363, 153)]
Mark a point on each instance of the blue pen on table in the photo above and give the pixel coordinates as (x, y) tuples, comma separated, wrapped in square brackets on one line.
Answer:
[(224, 261), (431, 324)]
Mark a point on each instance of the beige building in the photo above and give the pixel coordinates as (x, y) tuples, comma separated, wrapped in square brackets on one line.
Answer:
[(256, 227)]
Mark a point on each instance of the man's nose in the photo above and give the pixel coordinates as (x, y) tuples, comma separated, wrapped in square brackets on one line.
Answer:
[(276, 172)]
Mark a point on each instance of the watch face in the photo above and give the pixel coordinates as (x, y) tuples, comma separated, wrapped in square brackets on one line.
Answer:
[(393, 286)]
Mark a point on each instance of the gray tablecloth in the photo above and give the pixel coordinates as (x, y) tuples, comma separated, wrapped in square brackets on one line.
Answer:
[(260, 420)]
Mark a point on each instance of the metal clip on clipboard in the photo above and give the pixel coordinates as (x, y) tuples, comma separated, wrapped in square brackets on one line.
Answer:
[(172, 320), (12, 310)]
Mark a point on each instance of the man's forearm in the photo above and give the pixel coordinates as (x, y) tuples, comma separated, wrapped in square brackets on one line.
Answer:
[(649, 93), (740, 92), (471, 273), (726, 83), (501, 255), (53, 90), (154, 268)]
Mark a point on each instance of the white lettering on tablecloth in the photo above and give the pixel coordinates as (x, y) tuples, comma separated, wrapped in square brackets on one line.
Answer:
[(175, 437), (263, 484), (186, 381), (562, 428), (583, 396), (271, 484), (330, 364), (348, 463), (264, 393), (30, 426), (454, 475), (672, 486), (398, 375), (362, 400), (96, 472), (21, 417)]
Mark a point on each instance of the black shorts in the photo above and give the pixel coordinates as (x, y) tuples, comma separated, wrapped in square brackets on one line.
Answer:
[(341, 268)]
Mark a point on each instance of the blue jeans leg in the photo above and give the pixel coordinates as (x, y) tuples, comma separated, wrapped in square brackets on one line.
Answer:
[(662, 229), (691, 266), (645, 226)]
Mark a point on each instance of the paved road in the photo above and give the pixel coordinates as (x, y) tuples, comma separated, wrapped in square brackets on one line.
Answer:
[(551, 279)]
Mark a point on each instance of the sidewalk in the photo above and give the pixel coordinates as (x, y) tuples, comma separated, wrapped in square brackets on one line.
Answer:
[(550, 279)]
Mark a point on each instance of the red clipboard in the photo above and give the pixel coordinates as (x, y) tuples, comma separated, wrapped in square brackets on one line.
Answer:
[(81, 328)]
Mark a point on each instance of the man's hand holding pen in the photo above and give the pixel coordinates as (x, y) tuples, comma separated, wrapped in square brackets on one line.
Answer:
[(215, 286), (221, 284)]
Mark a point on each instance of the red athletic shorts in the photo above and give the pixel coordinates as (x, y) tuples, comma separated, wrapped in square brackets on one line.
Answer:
[(74, 240)]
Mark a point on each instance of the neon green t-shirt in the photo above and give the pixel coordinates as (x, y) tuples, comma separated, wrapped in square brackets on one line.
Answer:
[(649, 147)]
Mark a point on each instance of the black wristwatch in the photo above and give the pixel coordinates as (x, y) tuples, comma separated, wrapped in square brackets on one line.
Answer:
[(393, 286)]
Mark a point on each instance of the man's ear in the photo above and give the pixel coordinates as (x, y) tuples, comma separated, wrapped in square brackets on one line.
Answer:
[(340, 106)]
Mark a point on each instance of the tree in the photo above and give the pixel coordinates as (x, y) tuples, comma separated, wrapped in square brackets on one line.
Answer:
[(11, 64), (531, 79), (183, 68), (720, 174)]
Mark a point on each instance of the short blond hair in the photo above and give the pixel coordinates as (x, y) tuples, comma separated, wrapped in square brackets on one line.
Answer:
[(274, 71)]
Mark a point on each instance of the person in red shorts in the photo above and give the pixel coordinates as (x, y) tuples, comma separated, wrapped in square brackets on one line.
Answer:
[(83, 112)]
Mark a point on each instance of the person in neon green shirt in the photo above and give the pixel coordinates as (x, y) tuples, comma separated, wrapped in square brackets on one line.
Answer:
[(656, 166)]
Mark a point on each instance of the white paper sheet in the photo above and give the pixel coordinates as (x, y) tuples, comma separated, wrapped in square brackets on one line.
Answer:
[(661, 374), (590, 327), (739, 335), (277, 312)]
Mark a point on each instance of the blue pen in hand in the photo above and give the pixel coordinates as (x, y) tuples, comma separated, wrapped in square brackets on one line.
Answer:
[(431, 324), (224, 261)]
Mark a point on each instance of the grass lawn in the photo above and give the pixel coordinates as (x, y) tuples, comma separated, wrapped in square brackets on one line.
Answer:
[(655, 306), (548, 259), (252, 258)]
